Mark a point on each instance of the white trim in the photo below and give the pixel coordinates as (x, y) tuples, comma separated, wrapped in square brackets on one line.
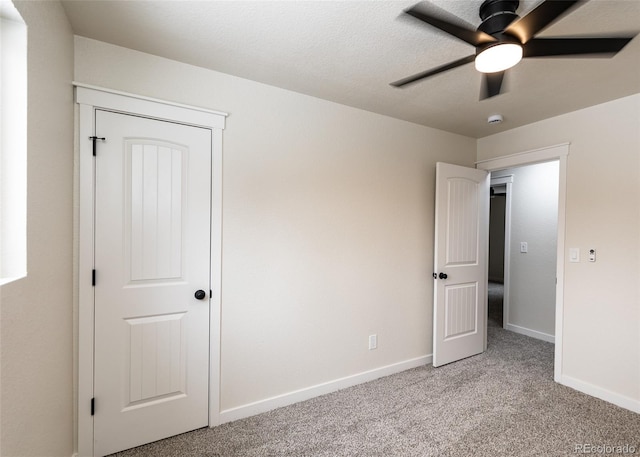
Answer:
[(558, 152), (612, 397), (525, 158), (150, 107), (506, 274), (4, 281), (296, 396), (149, 99), (499, 180), (215, 302), (562, 204), (506, 291), (85, 290), (89, 99), (532, 333)]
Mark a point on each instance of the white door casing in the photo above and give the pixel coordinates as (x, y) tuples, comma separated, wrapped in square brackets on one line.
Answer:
[(460, 263), (508, 182), (91, 100), (152, 237)]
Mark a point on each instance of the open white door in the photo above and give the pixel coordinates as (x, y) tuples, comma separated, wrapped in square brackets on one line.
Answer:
[(152, 280), (460, 263)]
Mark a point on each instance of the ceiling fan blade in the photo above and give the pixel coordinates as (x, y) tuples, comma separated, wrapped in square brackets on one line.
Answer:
[(491, 84), (598, 47), (540, 17), (434, 71), (449, 23)]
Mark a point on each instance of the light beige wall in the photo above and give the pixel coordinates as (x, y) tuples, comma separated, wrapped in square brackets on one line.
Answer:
[(534, 220), (36, 311), (327, 224), (602, 301)]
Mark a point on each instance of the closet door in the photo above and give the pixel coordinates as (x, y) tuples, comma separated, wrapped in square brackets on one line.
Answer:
[(152, 280)]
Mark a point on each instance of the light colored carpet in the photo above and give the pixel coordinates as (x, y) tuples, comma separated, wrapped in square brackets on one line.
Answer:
[(500, 403)]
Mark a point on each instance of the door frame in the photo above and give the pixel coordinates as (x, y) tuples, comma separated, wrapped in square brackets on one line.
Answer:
[(89, 98), (506, 264), (560, 153)]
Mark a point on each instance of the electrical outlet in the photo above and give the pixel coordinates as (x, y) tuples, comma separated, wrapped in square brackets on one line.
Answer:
[(373, 342), (524, 247)]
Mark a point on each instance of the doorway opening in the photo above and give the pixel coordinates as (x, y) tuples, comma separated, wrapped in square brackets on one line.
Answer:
[(523, 232), (557, 153), (498, 242)]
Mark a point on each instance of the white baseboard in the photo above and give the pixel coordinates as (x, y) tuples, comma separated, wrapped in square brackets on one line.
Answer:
[(296, 396), (603, 394), (532, 333)]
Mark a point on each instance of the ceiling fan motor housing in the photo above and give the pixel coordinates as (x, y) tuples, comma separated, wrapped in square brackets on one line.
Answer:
[(503, 39), (496, 15)]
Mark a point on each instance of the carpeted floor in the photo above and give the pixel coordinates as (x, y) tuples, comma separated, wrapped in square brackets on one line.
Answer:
[(500, 403)]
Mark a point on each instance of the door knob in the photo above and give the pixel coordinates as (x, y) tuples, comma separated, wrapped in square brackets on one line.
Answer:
[(200, 294), (442, 276)]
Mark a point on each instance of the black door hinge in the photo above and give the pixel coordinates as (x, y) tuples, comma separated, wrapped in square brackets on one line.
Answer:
[(93, 277), (94, 139), (93, 406)]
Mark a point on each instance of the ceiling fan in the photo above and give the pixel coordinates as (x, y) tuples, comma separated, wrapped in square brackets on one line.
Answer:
[(503, 39)]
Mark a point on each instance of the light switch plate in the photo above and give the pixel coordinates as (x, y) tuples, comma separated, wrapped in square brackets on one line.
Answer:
[(574, 255)]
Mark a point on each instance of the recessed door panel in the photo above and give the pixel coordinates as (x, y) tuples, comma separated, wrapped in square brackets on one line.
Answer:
[(461, 307), (157, 359), (154, 217), (462, 222)]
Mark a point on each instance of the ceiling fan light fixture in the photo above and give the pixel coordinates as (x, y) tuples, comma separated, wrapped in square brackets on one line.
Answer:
[(498, 57)]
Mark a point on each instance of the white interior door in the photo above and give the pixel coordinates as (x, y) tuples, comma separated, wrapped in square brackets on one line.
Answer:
[(460, 263), (152, 253)]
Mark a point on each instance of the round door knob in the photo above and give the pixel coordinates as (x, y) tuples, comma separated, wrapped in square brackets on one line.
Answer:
[(442, 276), (200, 294)]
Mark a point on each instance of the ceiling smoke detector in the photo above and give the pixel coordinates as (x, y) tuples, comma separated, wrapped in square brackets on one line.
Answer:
[(495, 119)]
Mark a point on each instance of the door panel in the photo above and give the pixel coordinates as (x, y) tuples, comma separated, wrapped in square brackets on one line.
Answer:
[(460, 263), (460, 309), (462, 222), (154, 218), (157, 359), (152, 252)]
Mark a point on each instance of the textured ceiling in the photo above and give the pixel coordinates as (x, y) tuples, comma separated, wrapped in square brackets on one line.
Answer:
[(349, 52)]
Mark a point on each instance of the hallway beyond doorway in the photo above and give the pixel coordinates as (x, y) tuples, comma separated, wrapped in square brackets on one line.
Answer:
[(495, 292)]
